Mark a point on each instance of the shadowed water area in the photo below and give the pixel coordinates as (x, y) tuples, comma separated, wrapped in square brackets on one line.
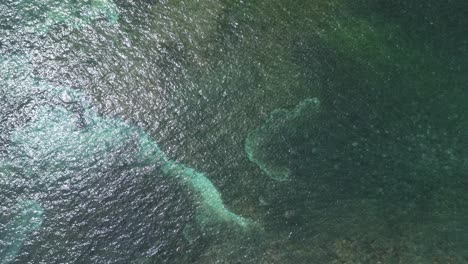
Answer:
[(212, 131)]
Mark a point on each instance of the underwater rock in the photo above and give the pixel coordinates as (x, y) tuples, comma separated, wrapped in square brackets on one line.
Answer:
[(270, 146)]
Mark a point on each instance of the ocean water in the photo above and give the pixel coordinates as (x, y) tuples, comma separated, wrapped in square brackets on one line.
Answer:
[(215, 131)]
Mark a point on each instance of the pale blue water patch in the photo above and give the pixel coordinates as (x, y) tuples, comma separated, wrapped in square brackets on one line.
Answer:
[(42, 16), (213, 211), (28, 219)]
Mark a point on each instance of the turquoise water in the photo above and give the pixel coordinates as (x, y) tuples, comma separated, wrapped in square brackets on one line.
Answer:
[(145, 131)]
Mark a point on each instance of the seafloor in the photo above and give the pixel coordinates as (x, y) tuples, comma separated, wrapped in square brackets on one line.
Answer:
[(216, 131)]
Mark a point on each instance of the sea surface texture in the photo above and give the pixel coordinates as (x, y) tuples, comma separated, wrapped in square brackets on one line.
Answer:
[(226, 131)]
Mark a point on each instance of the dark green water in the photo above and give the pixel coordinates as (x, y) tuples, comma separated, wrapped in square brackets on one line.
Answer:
[(212, 131)]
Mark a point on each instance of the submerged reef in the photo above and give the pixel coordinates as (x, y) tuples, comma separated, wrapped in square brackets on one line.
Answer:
[(271, 145), (61, 147), (401, 179)]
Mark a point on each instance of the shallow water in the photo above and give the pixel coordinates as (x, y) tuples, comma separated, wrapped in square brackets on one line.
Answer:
[(138, 131)]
